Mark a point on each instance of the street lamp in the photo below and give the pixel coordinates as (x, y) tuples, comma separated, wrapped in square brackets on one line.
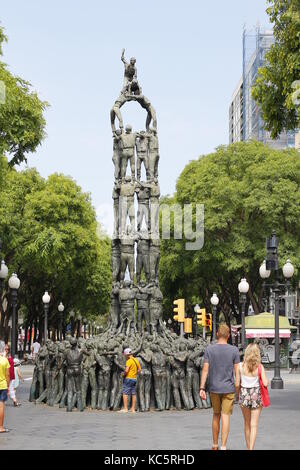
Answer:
[(264, 274), (196, 310), (14, 284), (243, 289), (214, 300), (288, 271), (89, 328), (60, 309), (46, 301), (3, 275)]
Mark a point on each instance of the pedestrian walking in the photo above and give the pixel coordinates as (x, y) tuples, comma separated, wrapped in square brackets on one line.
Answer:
[(35, 348), (18, 377), (4, 383), (221, 364), (11, 389), (253, 382), (133, 368)]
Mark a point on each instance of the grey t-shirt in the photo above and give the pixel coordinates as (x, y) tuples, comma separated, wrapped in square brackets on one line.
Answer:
[(221, 358)]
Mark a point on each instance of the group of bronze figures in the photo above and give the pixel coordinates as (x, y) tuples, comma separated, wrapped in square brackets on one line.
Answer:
[(87, 373)]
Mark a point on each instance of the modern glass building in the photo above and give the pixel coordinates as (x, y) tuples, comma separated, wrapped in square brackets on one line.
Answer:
[(245, 121)]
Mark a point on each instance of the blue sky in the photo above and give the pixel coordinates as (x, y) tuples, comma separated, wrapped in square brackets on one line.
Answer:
[(189, 60)]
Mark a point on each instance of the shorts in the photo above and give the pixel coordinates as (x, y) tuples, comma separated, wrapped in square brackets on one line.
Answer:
[(3, 395), (222, 402), (250, 398), (129, 387)]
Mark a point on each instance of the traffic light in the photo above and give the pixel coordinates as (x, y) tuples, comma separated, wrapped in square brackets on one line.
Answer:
[(179, 310), (201, 317), (188, 325), (209, 321)]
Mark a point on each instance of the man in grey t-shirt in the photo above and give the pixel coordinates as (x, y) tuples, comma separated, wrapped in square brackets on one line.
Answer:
[(221, 363)]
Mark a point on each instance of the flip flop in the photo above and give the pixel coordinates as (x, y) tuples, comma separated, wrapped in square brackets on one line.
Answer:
[(5, 430)]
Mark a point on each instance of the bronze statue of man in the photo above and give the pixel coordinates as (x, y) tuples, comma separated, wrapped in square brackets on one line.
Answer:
[(127, 295), (127, 255), (143, 196), (143, 312), (153, 153), (141, 145), (73, 359), (117, 153), (142, 260), (130, 83), (126, 204), (89, 375), (127, 146)]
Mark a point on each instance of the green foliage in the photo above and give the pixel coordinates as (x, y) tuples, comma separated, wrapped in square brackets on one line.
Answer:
[(248, 189), (277, 88), (49, 238), (21, 115)]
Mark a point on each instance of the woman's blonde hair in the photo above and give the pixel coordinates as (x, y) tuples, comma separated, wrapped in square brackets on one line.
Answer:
[(252, 357)]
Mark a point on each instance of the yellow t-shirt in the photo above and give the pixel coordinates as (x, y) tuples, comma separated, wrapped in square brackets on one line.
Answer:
[(134, 366), (4, 365)]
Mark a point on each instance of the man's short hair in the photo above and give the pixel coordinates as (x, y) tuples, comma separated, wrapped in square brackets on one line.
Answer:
[(223, 331)]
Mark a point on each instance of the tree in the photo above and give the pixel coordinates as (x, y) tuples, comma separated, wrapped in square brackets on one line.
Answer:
[(277, 88), (49, 237), (21, 115), (248, 189)]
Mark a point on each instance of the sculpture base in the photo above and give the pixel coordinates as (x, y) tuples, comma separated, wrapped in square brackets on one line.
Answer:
[(277, 383)]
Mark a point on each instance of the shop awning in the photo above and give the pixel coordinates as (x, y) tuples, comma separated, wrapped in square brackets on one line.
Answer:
[(263, 326), (266, 333)]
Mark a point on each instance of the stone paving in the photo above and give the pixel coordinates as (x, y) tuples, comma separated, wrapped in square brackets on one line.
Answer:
[(41, 427)]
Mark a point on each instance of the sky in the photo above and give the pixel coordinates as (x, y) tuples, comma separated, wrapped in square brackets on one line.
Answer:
[(189, 61)]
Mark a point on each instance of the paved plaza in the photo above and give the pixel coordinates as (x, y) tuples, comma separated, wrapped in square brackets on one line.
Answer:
[(41, 427)]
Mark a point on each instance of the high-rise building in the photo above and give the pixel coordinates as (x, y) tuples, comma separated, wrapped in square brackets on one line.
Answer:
[(245, 120)]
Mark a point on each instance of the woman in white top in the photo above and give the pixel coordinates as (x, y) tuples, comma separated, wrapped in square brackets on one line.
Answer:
[(250, 396)]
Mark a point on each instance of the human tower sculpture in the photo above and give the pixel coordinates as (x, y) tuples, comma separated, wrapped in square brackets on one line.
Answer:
[(87, 372)]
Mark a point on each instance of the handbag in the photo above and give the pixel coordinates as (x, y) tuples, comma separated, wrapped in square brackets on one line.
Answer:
[(263, 390)]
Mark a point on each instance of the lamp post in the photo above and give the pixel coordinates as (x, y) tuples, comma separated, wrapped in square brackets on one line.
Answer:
[(243, 289), (46, 301), (89, 328), (14, 284), (61, 309), (3, 276), (78, 325), (264, 274), (214, 300), (288, 271), (196, 310)]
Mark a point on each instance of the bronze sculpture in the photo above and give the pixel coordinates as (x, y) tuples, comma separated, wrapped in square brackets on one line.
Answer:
[(88, 372)]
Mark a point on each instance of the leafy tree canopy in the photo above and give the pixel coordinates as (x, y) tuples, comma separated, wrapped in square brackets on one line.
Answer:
[(49, 237), (21, 114), (277, 88), (248, 189)]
